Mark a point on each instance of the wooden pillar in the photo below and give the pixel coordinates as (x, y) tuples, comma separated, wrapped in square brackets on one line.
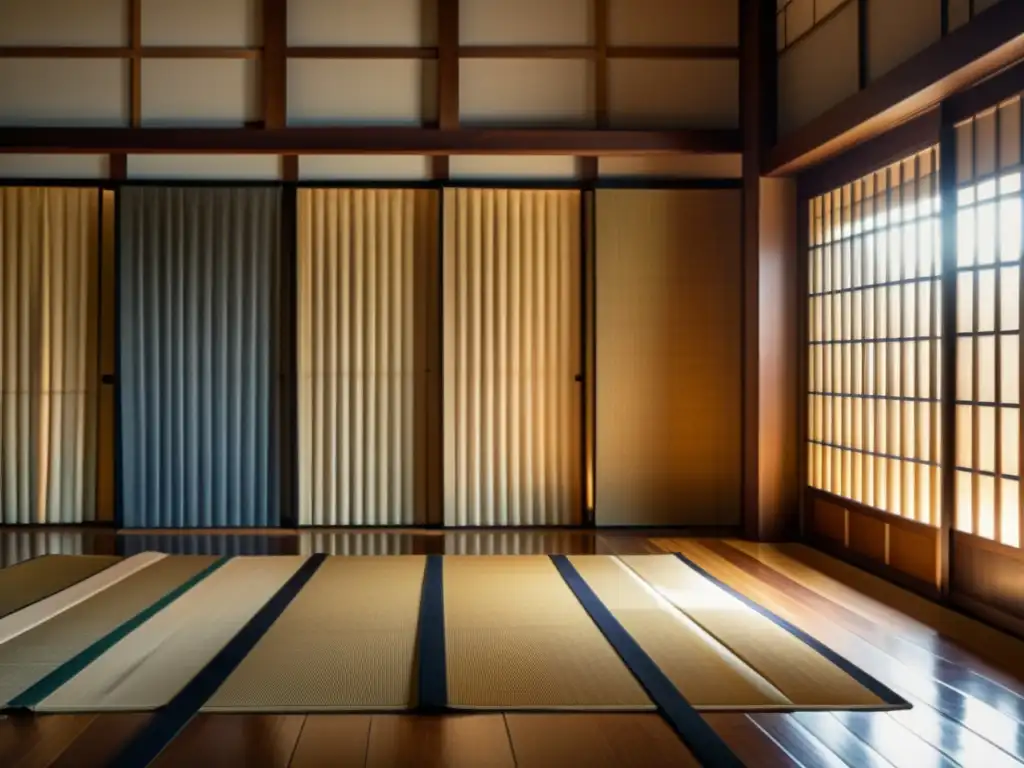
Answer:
[(771, 296)]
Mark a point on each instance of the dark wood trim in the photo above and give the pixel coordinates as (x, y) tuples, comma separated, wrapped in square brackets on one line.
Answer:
[(947, 406), (862, 44), (943, 17), (986, 576), (987, 94), (128, 52), (448, 64), (366, 139), (862, 509), (600, 32), (117, 166), (290, 168), (803, 336), (993, 40), (273, 78), (910, 137), (673, 52), (286, 399), (135, 71)]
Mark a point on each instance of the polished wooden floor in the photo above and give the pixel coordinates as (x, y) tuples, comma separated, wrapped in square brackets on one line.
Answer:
[(965, 680)]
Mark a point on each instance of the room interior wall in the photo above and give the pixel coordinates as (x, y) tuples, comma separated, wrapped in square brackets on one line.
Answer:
[(668, 357)]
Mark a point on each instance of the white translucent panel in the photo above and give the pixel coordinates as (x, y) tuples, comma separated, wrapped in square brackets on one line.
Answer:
[(63, 22), (985, 143), (672, 22), (881, 313), (857, 317), (964, 436), (1009, 298), (1010, 229), (986, 190), (964, 369), (365, 167), (868, 306), (924, 432), (910, 310), (26, 166), (857, 374), (986, 439), (690, 166), (985, 233), (910, 470), (924, 370), (1009, 533), (881, 369), (467, 167), (1009, 368), (525, 92), (895, 360), (895, 426), (361, 91), (925, 508), (1010, 440), (218, 167), (986, 369), (362, 22), (966, 241), (986, 300), (1009, 183), (869, 369), (881, 483), (896, 328), (986, 503), (691, 93), (63, 92), (846, 319), (895, 500), (524, 22), (909, 430), (201, 22), (964, 518), (1010, 133), (964, 152), (925, 246), (228, 95), (909, 368), (965, 196), (924, 309)]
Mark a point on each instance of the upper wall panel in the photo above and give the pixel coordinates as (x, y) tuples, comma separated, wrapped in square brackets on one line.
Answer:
[(659, 92), (673, 22), (362, 22), (228, 96), (63, 22), (819, 70), (897, 31), (525, 22), (69, 92), (200, 22), (535, 92)]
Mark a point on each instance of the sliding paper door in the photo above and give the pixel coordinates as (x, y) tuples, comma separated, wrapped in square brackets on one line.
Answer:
[(363, 257), (512, 429), (198, 318), (49, 246)]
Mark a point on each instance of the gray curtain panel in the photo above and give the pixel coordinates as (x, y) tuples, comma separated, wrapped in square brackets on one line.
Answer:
[(198, 272)]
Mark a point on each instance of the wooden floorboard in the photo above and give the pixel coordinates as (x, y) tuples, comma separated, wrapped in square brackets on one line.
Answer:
[(965, 681)]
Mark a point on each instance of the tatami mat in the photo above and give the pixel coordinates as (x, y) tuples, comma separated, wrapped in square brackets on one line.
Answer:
[(517, 638), (150, 665), (803, 675), (27, 658), (346, 642), (38, 578), (707, 673), (45, 609)]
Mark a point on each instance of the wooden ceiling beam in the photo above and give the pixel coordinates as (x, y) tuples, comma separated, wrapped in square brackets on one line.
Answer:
[(366, 140)]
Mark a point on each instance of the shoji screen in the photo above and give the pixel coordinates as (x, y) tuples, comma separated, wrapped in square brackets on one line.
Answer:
[(511, 354), (197, 276), (874, 335), (668, 353), (49, 250), (988, 423), (363, 257)]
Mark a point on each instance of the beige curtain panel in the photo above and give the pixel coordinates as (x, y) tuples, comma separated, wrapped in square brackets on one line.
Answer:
[(363, 256), (511, 354), (49, 248)]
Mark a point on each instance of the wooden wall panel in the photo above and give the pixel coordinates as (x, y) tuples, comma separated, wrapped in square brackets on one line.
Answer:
[(524, 22), (361, 91), (661, 92), (673, 22), (819, 71), (719, 166), (172, 94), (534, 92), (491, 167), (228, 167), (63, 22), (896, 31), (201, 22), (365, 167), (68, 92), (896, 548), (989, 573), (17, 166), (362, 22), (668, 357)]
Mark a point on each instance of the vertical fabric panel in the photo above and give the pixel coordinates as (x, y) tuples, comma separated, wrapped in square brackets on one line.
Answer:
[(362, 257), (48, 280), (511, 353), (197, 272)]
